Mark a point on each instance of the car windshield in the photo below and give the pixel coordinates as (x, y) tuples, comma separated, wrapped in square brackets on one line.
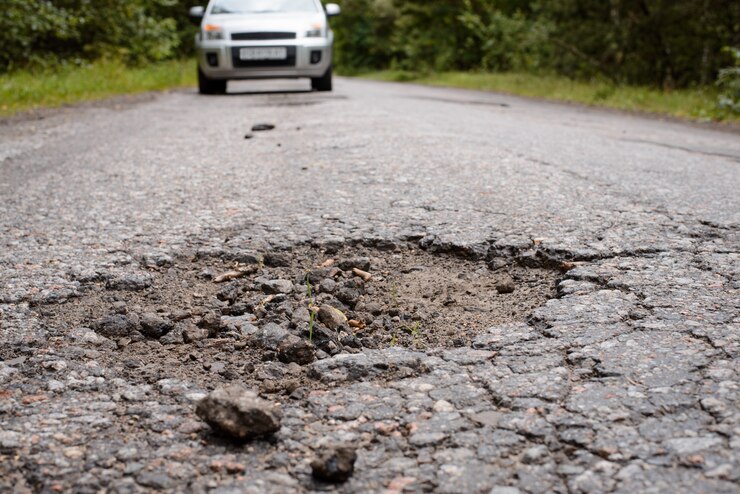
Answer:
[(262, 6)]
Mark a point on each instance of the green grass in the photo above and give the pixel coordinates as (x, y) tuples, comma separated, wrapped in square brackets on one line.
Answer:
[(695, 104), (26, 90), (311, 313)]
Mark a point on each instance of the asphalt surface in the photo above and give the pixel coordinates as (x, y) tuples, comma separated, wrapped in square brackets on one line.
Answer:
[(626, 381)]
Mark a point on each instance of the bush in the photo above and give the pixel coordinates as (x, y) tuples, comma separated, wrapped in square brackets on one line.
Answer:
[(729, 84), (663, 43), (504, 42), (363, 40), (27, 26), (41, 33)]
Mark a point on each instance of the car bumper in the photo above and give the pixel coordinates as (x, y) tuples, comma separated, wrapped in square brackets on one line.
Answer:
[(220, 59)]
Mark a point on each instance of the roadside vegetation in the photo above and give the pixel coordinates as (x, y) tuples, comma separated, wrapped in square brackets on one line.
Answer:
[(680, 57), (696, 103), (30, 89), (66, 51), (673, 57)]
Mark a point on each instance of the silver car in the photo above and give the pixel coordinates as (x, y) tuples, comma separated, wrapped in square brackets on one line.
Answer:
[(257, 39)]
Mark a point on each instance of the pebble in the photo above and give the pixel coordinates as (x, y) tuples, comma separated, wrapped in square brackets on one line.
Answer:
[(154, 326), (443, 406), (270, 335), (334, 465), (327, 285), (54, 365), (193, 333), (535, 454), (238, 413), (277, 286), (295, 349), (362, 263), (9, 440), (331, 317), (55, 386), (155, 480), (117, 325), (505, 285)]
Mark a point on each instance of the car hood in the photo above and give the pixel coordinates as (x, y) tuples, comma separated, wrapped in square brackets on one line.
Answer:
[(266, 22)]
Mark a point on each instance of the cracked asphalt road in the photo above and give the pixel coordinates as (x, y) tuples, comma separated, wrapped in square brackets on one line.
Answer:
[(626, 381)]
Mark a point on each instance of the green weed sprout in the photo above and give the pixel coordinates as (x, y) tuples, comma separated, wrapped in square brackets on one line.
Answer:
[(311, 314)]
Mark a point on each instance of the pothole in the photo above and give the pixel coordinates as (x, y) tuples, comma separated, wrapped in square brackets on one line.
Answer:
[(295, 306)]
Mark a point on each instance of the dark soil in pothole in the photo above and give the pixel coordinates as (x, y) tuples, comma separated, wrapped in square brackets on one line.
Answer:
[(193, 324)]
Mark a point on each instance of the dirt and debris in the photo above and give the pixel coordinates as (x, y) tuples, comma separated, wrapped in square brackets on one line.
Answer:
[(358, 298), (262, 320)]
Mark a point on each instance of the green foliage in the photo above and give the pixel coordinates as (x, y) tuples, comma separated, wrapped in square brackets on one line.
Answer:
[(42, 33), (363, 32), (501, 41), (729, 84), (311, 313), (663, 43)]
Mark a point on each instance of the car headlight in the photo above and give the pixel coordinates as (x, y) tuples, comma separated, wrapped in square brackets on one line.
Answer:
[(316, 31), (212, 32)]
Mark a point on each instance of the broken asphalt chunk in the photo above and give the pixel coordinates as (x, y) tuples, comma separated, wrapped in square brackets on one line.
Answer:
[(238, 413)]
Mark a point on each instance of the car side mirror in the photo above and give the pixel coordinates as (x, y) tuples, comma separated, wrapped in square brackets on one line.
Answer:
[(332, 10), (196, 14)]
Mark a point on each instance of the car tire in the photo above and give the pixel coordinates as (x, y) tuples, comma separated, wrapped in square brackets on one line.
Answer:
[(322, 83), (210, 86)]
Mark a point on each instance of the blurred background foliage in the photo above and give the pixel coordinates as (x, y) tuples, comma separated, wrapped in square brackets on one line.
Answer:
[(665, 44), (44, 33)]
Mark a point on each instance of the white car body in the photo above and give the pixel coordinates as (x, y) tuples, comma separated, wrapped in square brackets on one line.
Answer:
[(260, 45)]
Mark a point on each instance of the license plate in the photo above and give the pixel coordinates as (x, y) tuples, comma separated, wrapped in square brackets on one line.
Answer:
[(280, 53)]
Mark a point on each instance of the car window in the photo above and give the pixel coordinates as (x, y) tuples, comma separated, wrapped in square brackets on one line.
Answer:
[(262, 6)]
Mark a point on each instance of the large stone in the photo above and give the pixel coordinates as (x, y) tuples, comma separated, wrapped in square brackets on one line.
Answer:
[(270, 335), (211, 322), (295, 349), (505, 285), (277, 286), (335, 464), (362, 263), (155, 326), (193, 333), (331, 317), (117, 325), (238, 413)]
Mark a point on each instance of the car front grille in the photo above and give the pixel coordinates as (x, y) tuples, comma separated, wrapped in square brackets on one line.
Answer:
[(287, 62), (261, 36)]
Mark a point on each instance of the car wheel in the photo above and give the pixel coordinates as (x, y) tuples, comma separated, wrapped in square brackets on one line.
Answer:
[(210, 86), (322, 83)]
